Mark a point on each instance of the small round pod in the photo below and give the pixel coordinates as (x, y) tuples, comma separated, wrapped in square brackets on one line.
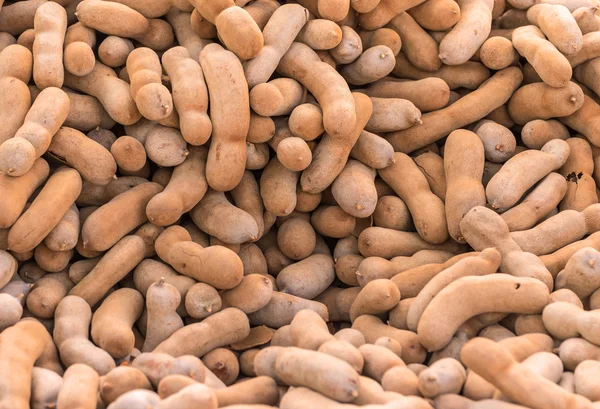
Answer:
[(121, 380), (306, 122), (320, 34), (296, 238), (190, 95), (202, 300), (392, 114), (497, 53), (542, 101), (16, 61), (535, 134), (253, 293), (436, 15), (444, 376), (95, 164), (79, 388), (12, 311), (381, 36), (226, 83), (112, 322), (50, 25), (499, 142), (151, 97), (307, 278), (332, 221), (15, 104), (277, 97), (378, 360), (586, 19), (31, 141), (78, 55), (52, 261), (157, 366), (129, 153), (202, 27), (426, 208), (354, 189), (6, 39), (282, 308), (349, 48), (46, 211), (45, 385), (391, 212), (223, 363), (162, 300), (377, 297), (463, 164), (373, 150), (209, 214), (294, 153), (257, 156), (580, 273), (373, 64), (261, 129), (113, 51), (278, 188), (401, 379), (585, 378)]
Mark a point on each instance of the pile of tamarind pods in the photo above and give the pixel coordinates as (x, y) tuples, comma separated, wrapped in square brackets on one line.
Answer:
[(250, 204)]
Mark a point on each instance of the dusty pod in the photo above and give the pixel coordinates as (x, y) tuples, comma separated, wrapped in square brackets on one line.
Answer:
[(45, 385), (497, 53), (162, 300), (129, 153), (12, 311), (202, 300), (277, 97), (113, 51), (79, 387), (50, 25), (79, 58), (296, 238), (223, 363), (306, 122), (444, 376), (559, 25), (498, 141), (120, 380)]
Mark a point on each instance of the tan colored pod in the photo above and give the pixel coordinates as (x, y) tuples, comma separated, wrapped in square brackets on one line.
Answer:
[(66, 233), (328, 87), (202, 300), (15, 101), (175, 247), (157, 366), (565, 228), (6, 39), (118, 102), (129, 153), (392, 114), (354, 189), (53, 201), (47, 114), (373, 151), (537, 133), (16, 61), (162, 300), (16, 191), (542, 101), (559, 25), (391, 212), (153, 99), (475, 24), (583, 120), (223, 363), (185, 189), (349, 48), (540, 53), (499, 142), (373, 64), (332, 221), (581, 192), (585, 377), (81, 152), (296, 238), (282, 308), (12, 311), (385, 11), (503, 191), (417, 45), (400, 379), (537, 204), (320, 34), (381, 36), (253, 293), (486, 263), (114, 50), (444, 376), (50, 25), (120, 380), (112, 321), (306, 122), (278, 188), (326, 374), (579, 274), (103, 17), (190, 97), (497, 53), (416, 195), (565, 320), (111, 269), (222, 328), (307, 278), (373, 328), (79, 388), (437, 125), (45, 385), (463, 164), (50, 260), (204, 214), (511, 300), (78, 56), (413, 91), (378, 360), (47, 293), (377, 297), (476, 226), (71, 335), (513, 379), (225, 166), (107, 225), (432, 166)]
